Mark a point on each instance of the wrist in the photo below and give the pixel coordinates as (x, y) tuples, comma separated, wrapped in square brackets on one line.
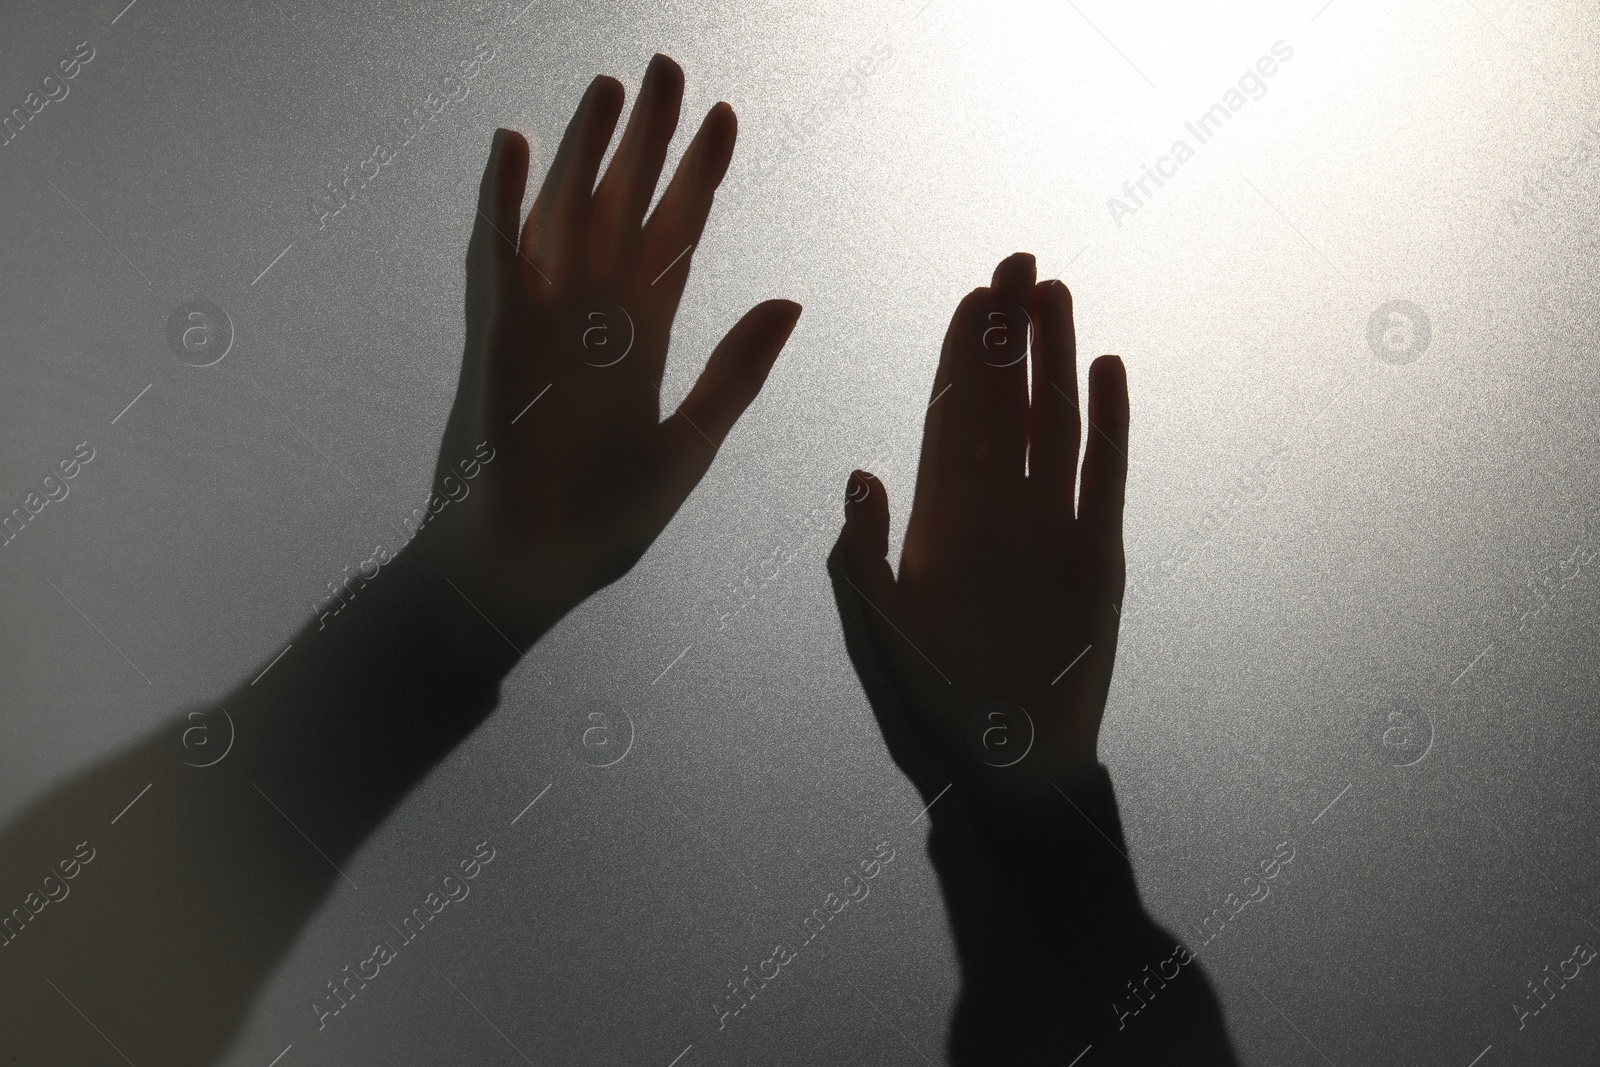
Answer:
[(369, 701), (1008, 758), (486, 613), (1040, 846), (999, 796)]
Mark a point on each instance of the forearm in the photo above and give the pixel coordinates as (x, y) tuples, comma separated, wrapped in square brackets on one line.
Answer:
[(1057, 951), (367, 702), (199, 886)]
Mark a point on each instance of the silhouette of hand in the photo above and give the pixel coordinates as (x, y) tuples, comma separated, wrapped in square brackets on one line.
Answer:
[(1001, 626), (571, 312)]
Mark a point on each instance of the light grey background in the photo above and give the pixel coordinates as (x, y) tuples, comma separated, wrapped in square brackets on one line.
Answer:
[(1317, 537)]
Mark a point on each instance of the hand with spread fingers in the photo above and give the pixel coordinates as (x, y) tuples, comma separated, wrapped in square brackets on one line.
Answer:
[(569, 315), (989, 656), (555, 474)]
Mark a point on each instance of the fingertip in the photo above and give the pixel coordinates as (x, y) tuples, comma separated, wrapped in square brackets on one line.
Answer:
[(723, 121), (664, 66), (714, 143), (492, 165), (866, 515), (510, 144), (1108, 372), (505, 175), (1052, 294), (1108, 398), (606, 93), (1014, 275), (857, 488), (774, 320)]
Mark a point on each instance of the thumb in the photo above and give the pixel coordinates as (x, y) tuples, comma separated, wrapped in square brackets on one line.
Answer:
[(865, 540), (733, 377), (491, 252), (865, 593), (738, 368), (494, 228)]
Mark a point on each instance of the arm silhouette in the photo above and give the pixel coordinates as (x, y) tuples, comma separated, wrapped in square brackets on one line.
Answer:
[(987, 660), (151, 929)]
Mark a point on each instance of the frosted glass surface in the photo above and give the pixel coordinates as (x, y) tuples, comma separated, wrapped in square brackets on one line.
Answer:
[(1359, 316)]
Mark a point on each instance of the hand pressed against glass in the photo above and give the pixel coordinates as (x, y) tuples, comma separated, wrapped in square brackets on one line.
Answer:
[(998, 634), (569, 314)]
